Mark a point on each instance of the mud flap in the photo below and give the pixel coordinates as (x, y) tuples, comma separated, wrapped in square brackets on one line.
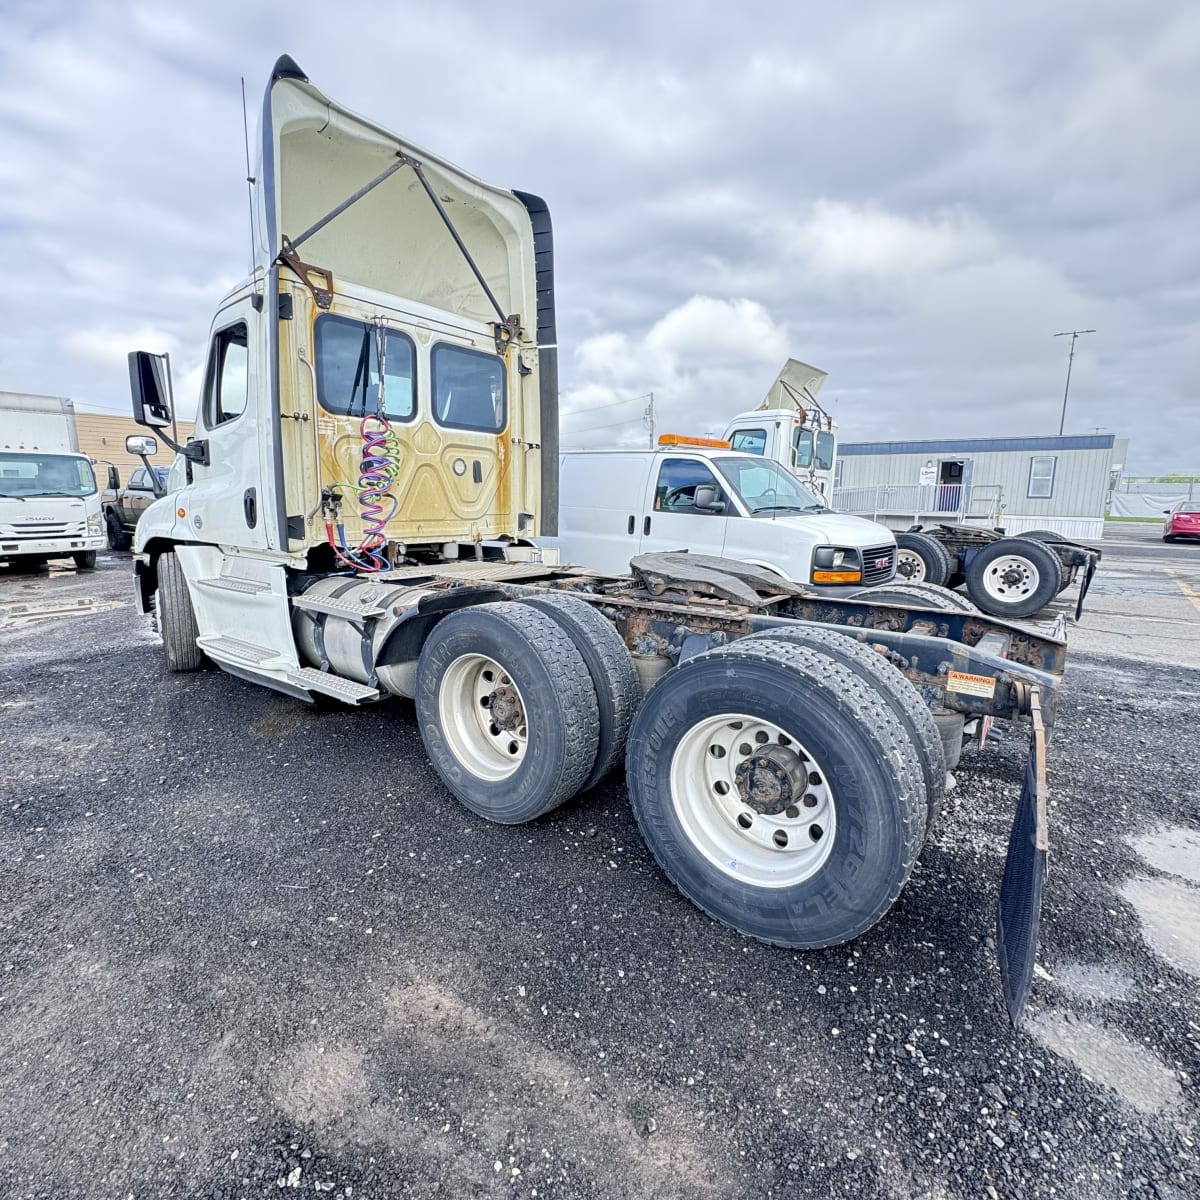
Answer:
[(1086, 583), (1024, 873)]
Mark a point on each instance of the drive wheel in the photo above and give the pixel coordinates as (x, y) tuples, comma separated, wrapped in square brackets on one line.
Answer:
[(507, 711), (778, 790), (906, 701), (1014, 577), (85, 560), (118, 539), (1042, 535), (176, 618), (922, 559), (618, 691), (917, 595)]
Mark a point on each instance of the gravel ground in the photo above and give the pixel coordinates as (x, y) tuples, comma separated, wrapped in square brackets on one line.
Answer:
[(250, 947)]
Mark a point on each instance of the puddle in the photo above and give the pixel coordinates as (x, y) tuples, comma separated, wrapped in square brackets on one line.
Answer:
[(1175, 850), (1092, 982), (1170, 915), (25, 612), (1140, 1078)]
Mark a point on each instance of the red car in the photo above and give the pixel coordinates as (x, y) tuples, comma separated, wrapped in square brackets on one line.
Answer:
[(1183, 521)]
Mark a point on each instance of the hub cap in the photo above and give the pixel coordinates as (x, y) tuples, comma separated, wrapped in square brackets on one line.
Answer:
[(483, 718), (1010, 578), (752, 800)]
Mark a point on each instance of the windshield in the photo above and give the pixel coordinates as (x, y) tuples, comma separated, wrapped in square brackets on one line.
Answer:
[(1189, 508), (45, 475), (765, 487)]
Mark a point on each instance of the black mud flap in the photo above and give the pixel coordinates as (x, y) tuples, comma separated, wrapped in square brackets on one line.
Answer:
[(1024, 874), (1089, 571)]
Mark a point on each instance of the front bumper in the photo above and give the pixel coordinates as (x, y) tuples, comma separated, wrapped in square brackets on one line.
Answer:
[(61, 547)]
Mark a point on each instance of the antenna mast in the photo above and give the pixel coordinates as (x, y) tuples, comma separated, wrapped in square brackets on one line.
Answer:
[(250, 180)]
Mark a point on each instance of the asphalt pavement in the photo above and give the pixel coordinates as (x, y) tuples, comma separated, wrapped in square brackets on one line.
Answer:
[(251, 948)]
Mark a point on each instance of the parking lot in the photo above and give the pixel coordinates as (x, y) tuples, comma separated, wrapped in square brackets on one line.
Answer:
[(250, 947)]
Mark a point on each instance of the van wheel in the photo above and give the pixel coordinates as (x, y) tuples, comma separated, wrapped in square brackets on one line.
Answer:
[(921, 559), (118, 539), (618, 691), (906, 701), (507, 711), (1014, 577), (176, 619), (85, 560), (778, 790)]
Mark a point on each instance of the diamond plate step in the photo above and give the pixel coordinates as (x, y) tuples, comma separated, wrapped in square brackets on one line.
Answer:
[(225, 583), (228, 647), (348, 690), (336, 607)]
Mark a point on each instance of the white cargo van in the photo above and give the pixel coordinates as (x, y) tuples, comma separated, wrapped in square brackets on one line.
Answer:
[(692, 494)]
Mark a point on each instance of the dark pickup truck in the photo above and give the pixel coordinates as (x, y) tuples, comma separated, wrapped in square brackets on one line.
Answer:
[(123, 506)]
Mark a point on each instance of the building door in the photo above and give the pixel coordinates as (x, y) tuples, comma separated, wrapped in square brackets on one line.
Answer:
[(953, 479)]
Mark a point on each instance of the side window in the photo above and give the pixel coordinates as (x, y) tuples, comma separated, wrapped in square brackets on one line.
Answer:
[(138, 479), (228, 376), (837, 472), (749, 441), (678, 479), (1041, 477), (468, 388), (347, 354), (824, 453), (802, 448)]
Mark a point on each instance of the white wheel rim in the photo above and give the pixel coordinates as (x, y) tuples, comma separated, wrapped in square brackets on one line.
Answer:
[(1010, 578), (753, 801), (482, 713), (910, 565)]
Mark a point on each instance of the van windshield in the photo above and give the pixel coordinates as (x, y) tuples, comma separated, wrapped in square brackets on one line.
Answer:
[(765, 487), (45, 475)]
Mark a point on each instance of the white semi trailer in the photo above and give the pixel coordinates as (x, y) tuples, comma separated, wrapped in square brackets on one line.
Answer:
[(358, 514), (49, 503)]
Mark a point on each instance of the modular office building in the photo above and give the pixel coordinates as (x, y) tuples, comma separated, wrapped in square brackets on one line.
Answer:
[(1057, 483)]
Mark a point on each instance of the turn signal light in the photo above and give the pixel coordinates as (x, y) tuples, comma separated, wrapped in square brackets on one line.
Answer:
[(820, 576)]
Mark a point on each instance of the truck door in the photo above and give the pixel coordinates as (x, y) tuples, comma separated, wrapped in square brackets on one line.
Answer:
[(225, 503), (672, 519)]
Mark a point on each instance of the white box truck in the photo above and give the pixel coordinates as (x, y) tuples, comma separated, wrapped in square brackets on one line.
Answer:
[(49, 502)]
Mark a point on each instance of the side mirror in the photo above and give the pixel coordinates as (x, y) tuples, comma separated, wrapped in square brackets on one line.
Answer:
[(1166, 512), (708, 499), (139, 445), (150, 385), (114, 478)]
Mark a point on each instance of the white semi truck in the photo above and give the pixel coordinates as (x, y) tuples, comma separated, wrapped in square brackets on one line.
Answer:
[(357, 516), (49, 502)]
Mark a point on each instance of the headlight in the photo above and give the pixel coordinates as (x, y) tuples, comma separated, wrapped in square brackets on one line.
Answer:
[(832, 564), (95, 524)]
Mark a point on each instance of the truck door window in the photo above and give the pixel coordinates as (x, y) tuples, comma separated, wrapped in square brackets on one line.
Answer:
[(825, 447), (802, 448), (227, 377), (347, 354), (750, 441), (138, 479), (678, 479), (468, 388)]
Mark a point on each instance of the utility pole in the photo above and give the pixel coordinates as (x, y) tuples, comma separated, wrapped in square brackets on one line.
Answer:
[(1072, 334), (648, 417)]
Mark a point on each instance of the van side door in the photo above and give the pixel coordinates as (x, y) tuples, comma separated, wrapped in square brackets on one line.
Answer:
[(673, 519)]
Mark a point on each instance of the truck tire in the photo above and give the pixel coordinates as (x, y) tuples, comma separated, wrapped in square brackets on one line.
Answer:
[(1014, 577), (1042, 535), (85, 560), (917, 595), (922, 559), (176, 619), (729, 766), (118, 539), (507, 711), (906, 701), (618, 691)]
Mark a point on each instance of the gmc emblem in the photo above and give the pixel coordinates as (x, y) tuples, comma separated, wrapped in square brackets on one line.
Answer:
[(882, 564)]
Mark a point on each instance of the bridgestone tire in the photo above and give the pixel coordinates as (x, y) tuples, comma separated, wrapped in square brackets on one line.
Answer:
[(85, 560), (853, 735), (937, 563), (118, 539), (559, 705), (917, 595), (176, 619), (618, 691), (1039, 559), (906, 701)]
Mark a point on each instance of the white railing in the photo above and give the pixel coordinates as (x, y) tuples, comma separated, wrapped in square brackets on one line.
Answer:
[(945, 500)]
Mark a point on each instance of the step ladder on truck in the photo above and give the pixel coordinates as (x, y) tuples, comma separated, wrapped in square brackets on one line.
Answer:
[(374, 459)]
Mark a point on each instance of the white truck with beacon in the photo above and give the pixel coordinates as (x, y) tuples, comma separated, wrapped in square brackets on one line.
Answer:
[(357, 516), (49, 502)]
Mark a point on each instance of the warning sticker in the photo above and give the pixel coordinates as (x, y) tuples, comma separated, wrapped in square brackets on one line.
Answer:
[(970, 685)]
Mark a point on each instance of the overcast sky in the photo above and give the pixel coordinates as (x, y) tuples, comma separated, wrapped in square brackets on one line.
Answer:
[(913, 196)]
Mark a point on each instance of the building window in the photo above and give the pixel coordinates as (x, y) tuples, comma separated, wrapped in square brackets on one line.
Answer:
[(837, 472), (1041, 477)]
